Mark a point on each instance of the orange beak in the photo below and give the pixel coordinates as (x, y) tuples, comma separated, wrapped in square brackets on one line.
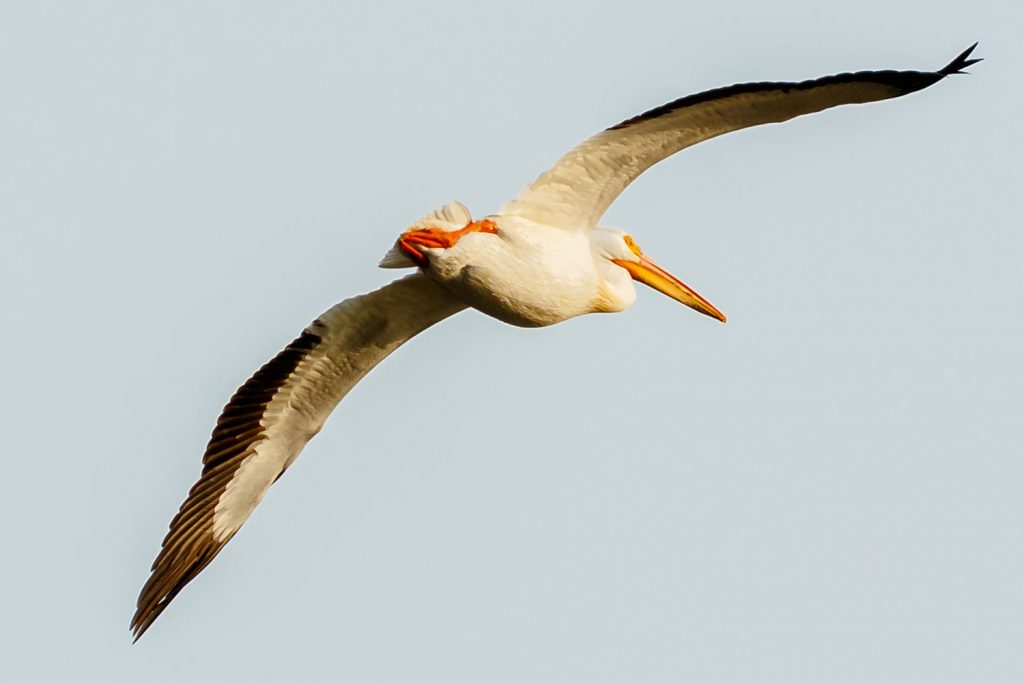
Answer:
[(653, 275)]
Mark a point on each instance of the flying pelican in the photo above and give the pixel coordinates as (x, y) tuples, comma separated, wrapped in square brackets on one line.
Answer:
[(539, 260)]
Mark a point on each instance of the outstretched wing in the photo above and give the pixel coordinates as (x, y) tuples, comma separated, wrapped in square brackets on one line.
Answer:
[(271, 417), (576, 192)]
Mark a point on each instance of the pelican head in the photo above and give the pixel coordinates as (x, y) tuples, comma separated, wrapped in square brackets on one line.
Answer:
[(619, 260)]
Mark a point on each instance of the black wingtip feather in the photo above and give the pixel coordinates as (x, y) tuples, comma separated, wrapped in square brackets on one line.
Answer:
[(189, 545), (904, 82), (961, 62)]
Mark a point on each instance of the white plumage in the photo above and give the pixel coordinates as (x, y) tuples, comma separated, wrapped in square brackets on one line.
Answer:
[(540, 260)]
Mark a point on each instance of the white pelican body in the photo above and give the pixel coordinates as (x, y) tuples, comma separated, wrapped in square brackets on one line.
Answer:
[(539, 260), (530, 275)]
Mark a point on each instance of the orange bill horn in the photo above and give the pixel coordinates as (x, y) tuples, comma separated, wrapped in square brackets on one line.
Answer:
[(653, 275)]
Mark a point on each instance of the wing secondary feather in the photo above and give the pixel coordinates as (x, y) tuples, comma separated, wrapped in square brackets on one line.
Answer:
[(270, 418)]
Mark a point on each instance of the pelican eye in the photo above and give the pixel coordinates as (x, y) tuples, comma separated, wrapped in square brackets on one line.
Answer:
[(632, 245)]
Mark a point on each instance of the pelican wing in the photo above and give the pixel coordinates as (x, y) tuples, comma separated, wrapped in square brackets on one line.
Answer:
[(271, 417), (576, 192)]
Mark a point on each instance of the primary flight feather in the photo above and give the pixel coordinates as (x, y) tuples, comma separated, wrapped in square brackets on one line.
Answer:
[(539, 260)]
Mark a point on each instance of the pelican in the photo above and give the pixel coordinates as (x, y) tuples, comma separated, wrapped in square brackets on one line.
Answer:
[(540, 260)]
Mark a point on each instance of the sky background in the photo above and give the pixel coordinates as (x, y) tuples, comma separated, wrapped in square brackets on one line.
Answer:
[(825, 489)]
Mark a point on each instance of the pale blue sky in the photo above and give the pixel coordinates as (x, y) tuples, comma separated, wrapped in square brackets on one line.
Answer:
[(825, 489)]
